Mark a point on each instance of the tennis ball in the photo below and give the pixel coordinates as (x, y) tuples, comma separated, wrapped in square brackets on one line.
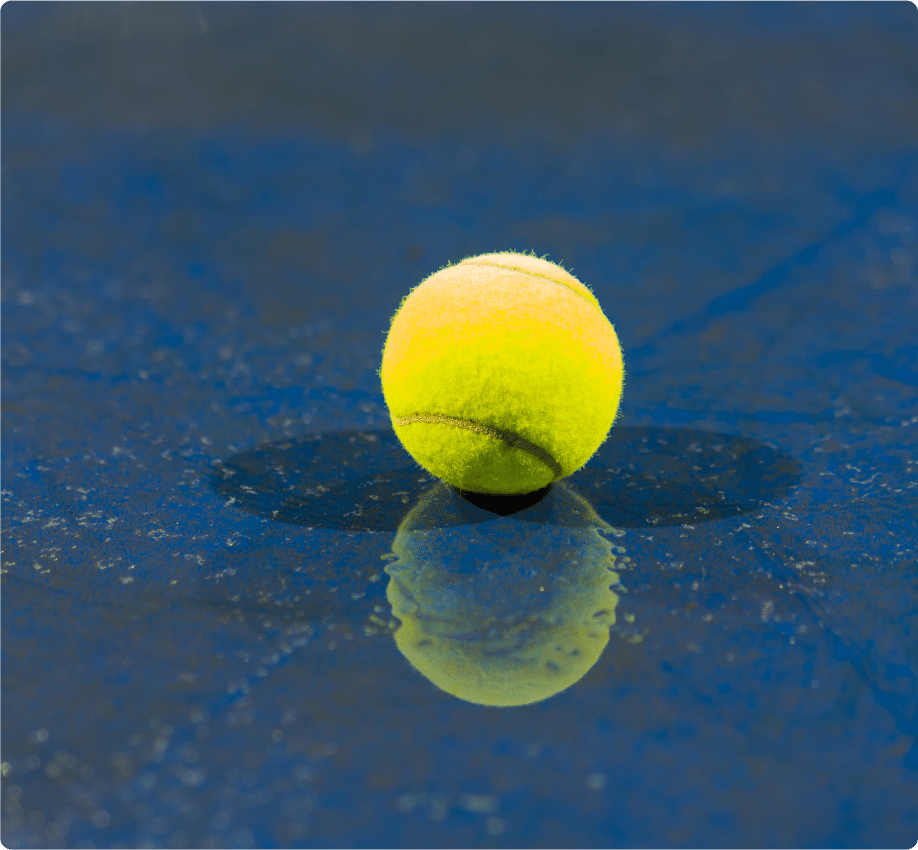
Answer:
[(501, 373)]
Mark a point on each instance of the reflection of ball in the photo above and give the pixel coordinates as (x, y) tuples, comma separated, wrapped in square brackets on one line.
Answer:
[(501, 373), (486, 615)]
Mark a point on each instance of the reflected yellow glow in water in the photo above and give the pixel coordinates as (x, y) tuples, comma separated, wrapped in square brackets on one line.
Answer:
[(503, 611)]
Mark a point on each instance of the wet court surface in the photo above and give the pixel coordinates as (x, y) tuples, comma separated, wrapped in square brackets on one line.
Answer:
[(236, 614)]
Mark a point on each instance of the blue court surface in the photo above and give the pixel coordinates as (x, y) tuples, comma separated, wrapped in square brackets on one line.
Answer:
[(236, 613)]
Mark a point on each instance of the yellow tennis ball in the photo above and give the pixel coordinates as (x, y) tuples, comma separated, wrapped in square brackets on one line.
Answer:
[(501, 373)]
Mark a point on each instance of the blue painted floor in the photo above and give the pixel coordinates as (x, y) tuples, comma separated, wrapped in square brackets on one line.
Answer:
[(236, 614)]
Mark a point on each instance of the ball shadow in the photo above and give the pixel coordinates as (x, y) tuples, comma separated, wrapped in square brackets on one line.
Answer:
[(642, 477)]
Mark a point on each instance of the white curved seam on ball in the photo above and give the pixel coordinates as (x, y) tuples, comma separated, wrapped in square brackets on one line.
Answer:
[(513, 440), (534, 274)]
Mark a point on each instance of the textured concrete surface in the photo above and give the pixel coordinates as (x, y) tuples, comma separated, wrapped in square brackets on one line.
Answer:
[(210, 213)]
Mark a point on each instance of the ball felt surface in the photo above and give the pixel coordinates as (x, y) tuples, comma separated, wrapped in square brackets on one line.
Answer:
[(501, 373)]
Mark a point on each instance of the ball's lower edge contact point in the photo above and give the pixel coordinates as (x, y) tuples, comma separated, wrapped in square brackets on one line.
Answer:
[(508, 437)]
